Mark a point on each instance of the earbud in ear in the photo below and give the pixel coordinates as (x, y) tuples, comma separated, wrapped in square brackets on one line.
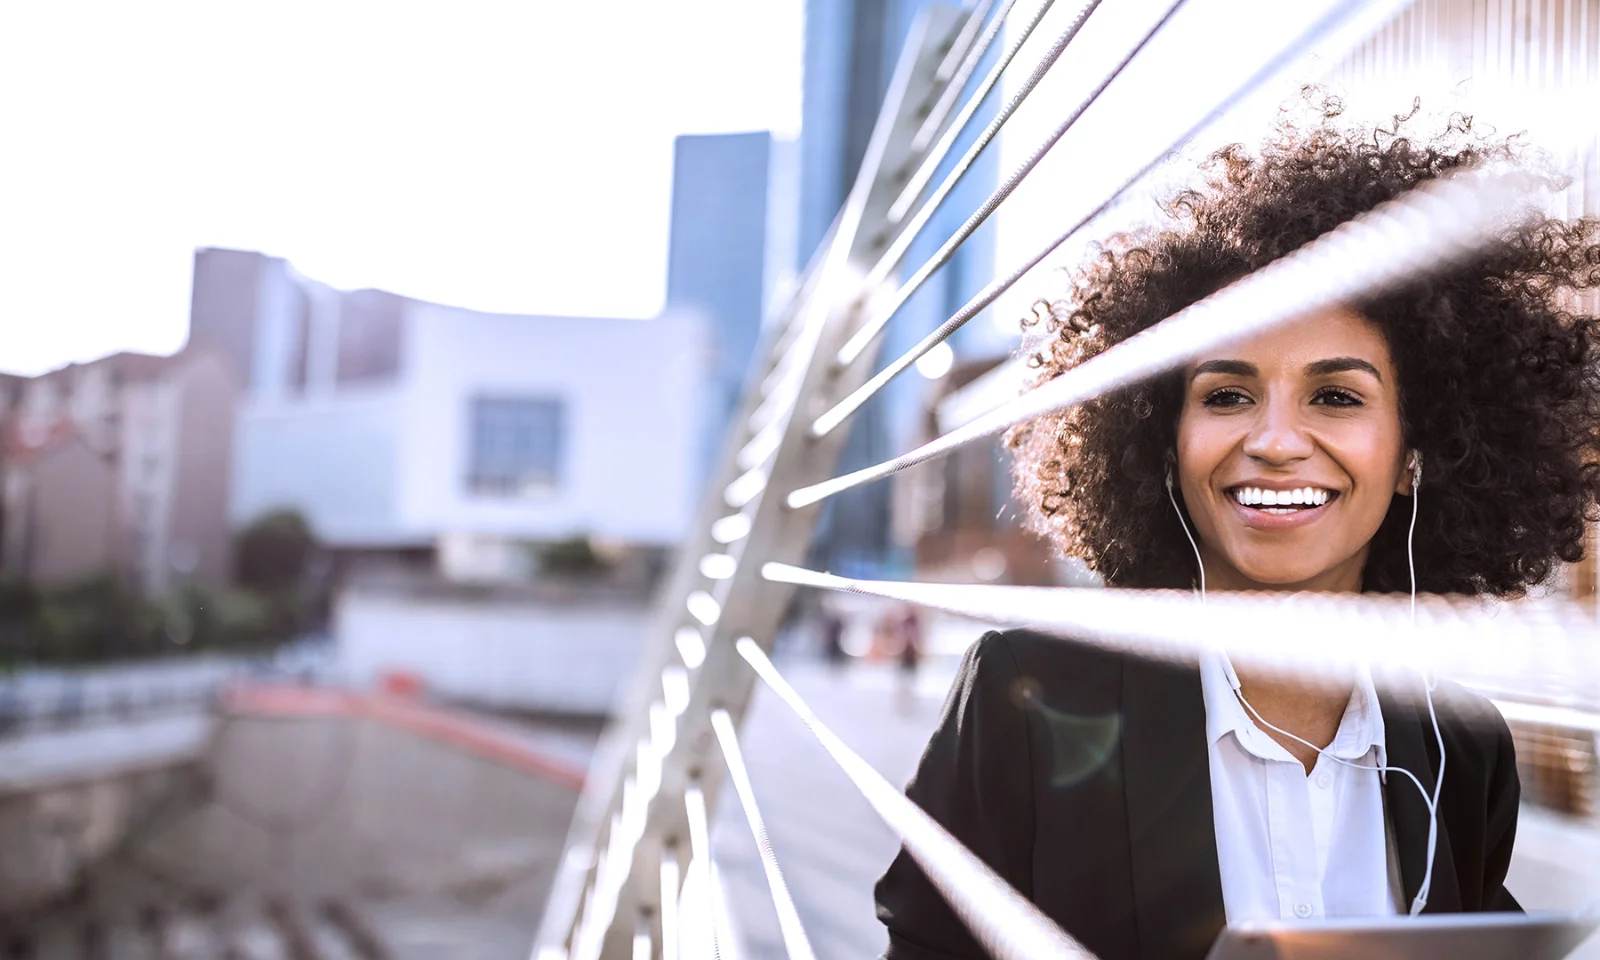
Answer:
[(1416, 469), (1170, 460)]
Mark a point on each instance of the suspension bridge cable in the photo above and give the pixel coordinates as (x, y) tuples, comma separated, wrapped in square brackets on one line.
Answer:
[(1423, 230), (908, 234), (1000, 919), (1530, 651), (794, 934), (957, 80), (930, 164), (950, 68), (1336, 20), (694, 805), (670, 936)]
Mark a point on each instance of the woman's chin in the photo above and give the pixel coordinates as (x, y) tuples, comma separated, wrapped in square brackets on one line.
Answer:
[(1288, 574)]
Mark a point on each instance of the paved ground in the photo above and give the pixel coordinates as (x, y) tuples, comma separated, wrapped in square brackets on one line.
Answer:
[(832, 846), (829, 841)]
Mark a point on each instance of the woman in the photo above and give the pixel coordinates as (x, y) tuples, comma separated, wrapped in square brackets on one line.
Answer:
[(1143, 806)]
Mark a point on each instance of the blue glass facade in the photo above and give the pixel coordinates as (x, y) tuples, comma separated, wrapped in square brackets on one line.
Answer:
[(851, 50), (717, 259)]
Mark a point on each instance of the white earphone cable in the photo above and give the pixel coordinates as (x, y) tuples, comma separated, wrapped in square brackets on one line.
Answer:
[(1201, 564), (1428, 683)]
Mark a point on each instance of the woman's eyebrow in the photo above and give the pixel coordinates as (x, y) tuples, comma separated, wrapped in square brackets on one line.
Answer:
[(1233, 368), (1322, 368)]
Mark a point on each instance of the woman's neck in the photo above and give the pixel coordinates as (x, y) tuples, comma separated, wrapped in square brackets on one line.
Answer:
[(1341, 578), (1309, 708)]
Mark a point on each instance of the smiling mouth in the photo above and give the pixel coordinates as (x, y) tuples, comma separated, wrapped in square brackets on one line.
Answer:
[(1282, 502)]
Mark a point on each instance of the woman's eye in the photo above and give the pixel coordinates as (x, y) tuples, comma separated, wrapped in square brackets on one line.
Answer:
[(1334, 397), (1225, 398)]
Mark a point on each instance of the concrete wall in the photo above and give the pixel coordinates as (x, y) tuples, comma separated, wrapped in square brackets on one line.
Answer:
[(387, 464), (442, 830), (69, 519), (225, 305), (335, 458), (199, 535), (507, 654), (628, 390), (53, 838)]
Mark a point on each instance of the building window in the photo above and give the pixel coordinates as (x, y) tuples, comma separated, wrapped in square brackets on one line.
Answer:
[(516, 446)]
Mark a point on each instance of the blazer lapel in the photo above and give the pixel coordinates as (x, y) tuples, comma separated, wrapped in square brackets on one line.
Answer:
[(1177, 885), (1410, 744)]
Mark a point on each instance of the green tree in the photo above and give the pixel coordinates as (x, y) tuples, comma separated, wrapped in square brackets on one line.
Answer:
[(274, 551)]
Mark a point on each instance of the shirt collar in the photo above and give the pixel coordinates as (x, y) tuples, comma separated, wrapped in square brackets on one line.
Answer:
[(1224, 714), (1360, 729)]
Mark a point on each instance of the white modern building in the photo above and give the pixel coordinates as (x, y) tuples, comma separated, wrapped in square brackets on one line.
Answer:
[(394, 423)]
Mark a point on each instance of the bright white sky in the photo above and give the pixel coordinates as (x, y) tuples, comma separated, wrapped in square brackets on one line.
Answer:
[(502, 155)]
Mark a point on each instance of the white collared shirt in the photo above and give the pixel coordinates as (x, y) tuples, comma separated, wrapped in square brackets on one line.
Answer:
[(1292, 846)]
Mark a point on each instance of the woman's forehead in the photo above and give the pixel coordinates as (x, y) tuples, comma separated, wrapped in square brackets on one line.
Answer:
[(1338, 332)]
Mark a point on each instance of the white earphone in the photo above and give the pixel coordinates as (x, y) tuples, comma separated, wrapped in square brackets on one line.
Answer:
[(1431, 802)]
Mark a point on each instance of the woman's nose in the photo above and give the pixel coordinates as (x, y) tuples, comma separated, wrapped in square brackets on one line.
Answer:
[(1277, 434)]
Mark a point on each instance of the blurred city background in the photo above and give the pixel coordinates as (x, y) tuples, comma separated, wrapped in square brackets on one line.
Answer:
[(365, 365)]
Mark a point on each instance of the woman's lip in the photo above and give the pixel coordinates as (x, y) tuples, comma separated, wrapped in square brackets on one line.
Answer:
[(1261, 520)]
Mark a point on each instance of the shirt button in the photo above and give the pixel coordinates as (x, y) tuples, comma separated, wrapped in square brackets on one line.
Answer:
[(1324, 780), (1302, 910)]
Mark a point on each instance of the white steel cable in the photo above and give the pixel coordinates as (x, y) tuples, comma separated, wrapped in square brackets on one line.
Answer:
[(960, 47), (1343, 19), (694, 805), (642, 947), (887, 263), (794, 934), (1436, 224), (670, 935), (957, 81), (930, 164), (1545, 652), (1000, 918)]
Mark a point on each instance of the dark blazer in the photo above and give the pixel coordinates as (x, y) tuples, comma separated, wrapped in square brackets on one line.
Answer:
[(1082, 777)]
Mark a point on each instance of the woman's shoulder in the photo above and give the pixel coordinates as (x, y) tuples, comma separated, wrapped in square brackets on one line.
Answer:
[(1470, 717), (1022, 649), (1038, 667)]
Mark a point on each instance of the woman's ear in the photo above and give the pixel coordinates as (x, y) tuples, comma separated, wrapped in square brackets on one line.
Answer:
[(1411, 476)]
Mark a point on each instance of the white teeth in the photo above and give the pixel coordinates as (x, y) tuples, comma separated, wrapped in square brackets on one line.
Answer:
[(1300, 496)]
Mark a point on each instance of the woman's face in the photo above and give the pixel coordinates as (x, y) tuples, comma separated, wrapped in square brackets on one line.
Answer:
[(1289, 452)]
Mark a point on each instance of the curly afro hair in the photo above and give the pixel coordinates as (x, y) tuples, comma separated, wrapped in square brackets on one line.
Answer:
[(1498, 369)]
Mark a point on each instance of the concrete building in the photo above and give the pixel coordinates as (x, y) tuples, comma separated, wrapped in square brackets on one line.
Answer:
[(119, 466), (395, 424), (440, 454)]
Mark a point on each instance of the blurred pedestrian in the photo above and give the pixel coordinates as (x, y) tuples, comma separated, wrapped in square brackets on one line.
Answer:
[(909, 628), (833, 637)]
